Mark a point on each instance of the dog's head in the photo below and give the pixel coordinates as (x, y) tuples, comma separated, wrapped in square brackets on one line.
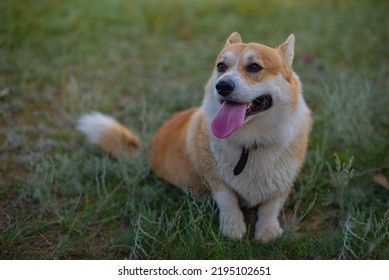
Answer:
[(250, 81)]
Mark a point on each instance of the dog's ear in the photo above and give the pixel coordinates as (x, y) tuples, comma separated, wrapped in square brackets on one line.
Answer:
[(234, 38), (286, 49)]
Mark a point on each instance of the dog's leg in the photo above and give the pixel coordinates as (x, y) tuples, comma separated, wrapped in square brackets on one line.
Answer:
[(268, 226), (231, 218)]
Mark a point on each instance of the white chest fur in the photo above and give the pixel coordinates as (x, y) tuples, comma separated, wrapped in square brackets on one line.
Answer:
[(269, 171)]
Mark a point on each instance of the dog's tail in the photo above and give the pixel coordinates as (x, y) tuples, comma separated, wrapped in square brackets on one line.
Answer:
[(111, 136)]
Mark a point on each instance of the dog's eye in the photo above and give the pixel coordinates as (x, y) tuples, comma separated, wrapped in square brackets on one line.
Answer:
[(221, 67), (253, 68)]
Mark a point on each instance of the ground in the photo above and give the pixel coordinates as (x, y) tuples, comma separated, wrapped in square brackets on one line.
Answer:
[(61, 198)]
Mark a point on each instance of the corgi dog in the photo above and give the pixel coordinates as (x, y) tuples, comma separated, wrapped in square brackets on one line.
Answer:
[(244, 145)]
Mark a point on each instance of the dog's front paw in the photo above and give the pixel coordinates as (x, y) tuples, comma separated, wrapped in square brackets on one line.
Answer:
[(233, 226), (268, 232)]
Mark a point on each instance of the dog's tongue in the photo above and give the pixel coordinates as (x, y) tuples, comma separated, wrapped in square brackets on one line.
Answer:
[(228, 119)]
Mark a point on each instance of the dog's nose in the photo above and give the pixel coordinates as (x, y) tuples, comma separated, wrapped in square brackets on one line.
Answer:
[(225, 87)]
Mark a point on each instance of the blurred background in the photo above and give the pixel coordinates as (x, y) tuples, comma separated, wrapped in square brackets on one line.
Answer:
[(142, 60)]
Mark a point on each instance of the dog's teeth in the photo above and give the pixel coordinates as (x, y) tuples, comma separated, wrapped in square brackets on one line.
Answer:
[(249, 105)]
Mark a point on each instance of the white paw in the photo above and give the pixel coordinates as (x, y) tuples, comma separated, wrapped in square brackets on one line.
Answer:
[(233, 226), (267, 232)]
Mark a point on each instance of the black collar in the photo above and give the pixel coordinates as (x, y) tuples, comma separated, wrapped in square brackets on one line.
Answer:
[(244, 156), (241, 162)]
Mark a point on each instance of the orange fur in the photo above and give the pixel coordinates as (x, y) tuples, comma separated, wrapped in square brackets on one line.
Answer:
[(299, 145), (120, 142), (170, 158)]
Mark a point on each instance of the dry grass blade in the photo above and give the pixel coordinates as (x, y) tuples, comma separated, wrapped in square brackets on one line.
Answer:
[(381, 180)]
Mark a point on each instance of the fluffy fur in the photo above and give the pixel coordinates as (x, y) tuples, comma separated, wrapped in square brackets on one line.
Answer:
[(186, 153)]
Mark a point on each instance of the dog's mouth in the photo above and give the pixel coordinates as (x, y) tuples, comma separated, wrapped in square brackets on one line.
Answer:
[(259, 104), (232, 114)]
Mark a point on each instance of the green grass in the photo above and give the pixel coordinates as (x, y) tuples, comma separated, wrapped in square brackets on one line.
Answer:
[(140, 61)]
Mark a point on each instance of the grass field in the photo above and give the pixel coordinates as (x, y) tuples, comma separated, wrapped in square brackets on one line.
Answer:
[(61, 198)]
